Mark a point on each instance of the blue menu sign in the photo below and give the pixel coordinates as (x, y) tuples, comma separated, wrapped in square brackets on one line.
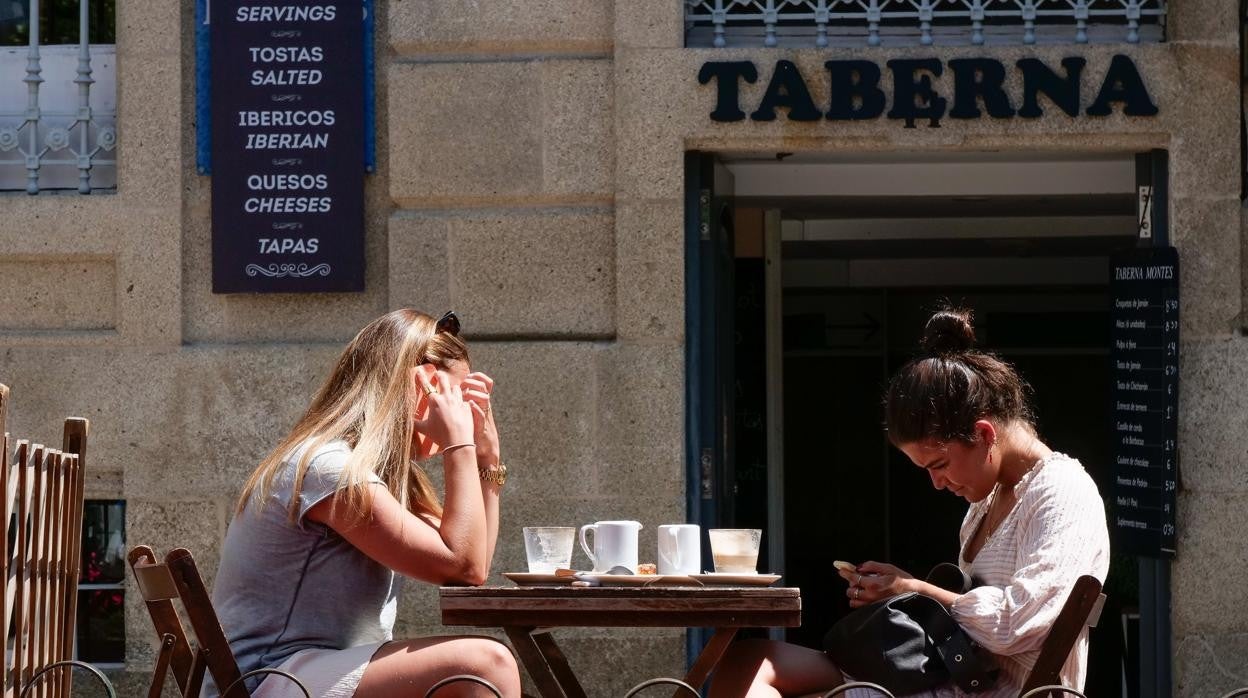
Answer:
[(287, 146), (1144, 372)]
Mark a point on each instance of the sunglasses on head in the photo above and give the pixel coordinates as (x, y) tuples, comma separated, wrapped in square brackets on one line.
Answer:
[(448, 323)]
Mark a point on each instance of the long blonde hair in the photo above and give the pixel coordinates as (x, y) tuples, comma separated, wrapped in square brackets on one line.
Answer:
[(365, 402)]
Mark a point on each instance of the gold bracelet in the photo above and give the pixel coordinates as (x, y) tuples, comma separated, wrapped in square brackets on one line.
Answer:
[(498, 475)]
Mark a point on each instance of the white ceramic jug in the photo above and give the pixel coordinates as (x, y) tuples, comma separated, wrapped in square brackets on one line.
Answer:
[(615, 544)]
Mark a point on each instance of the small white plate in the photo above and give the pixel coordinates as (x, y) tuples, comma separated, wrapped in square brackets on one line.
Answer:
[(737, 578)]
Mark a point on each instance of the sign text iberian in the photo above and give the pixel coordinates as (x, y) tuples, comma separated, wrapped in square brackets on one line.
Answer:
[(287, 146), (858, 90)]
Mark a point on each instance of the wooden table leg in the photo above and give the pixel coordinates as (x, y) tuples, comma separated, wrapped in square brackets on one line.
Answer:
[(558, 664), (710, 656), (536, 663)]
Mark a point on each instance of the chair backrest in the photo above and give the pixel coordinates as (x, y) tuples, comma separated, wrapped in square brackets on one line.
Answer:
[(1081, 609), (177, 577), (42, 491)]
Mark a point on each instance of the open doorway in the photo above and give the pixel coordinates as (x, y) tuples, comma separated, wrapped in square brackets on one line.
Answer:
[(837, 263)]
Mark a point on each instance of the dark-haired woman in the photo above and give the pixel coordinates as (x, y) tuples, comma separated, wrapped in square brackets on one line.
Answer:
[(1035, 524)]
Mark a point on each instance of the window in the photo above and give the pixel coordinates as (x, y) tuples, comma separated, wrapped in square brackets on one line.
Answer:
[(58, 22), (101, 597), (58, 123)]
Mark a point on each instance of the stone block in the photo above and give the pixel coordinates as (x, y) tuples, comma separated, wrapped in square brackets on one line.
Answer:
[(534, 273), (1213, 415), (144, 29), (121, 396), (1207, 233), (149, 279), (1203, 106), (51, 294), (418, 257), (649, 24), (650, 269), (1202, 20), (612, 663), (514, 26), (545, 402), (450, 143), (226, 408), (641, 421), (578, 157), (1203, 601), (186, 424), (1210, 664)]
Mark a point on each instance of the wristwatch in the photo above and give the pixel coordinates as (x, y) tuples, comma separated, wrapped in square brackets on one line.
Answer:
[(497, 475)]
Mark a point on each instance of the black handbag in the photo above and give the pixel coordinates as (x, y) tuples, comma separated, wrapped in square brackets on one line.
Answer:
[(909, 643)]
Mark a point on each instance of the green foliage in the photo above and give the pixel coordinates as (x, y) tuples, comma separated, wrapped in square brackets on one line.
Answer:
[(58, 22)]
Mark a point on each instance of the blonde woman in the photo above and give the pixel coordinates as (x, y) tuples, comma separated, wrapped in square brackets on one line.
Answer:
[(333, 519)]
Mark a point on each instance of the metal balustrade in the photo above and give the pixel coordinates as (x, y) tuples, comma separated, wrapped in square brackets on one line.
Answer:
[(844, 23), (66, 136)]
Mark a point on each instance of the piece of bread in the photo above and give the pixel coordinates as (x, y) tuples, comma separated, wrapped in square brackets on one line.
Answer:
[(647, 568)]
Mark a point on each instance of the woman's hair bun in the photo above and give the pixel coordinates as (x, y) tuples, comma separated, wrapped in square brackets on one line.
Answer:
[(947, 332)]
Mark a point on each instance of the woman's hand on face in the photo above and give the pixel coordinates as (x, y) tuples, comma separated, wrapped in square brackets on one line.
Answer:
[(873, 581), (449, 421), (478, 388)]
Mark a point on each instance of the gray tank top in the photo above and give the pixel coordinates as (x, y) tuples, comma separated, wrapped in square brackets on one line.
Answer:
[(284, 587)]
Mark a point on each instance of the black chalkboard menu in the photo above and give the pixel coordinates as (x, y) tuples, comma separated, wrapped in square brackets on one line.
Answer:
[(287, 145), (1144, 370)]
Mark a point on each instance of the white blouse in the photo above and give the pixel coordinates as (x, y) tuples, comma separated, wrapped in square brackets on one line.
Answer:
[(1055, 533)]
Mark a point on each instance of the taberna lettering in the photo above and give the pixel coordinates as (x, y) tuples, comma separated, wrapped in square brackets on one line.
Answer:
[(857, 89)]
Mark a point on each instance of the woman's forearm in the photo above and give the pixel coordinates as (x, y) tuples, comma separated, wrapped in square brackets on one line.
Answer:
[(464, 526), (944, 596), (490, 495)]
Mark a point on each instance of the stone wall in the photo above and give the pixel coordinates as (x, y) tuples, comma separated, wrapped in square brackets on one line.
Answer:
[(530, 177)]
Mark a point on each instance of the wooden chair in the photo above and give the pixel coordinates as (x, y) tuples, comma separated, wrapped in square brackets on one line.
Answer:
[(1081, 609), (42, 500), (177, 577)]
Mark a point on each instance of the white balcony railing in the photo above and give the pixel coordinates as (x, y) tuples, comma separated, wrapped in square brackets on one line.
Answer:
[(58, 112), (822, 23)]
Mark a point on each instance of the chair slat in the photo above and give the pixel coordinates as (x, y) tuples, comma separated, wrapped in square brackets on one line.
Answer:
[(164, 616), (6, 510), (38, 570), (74, 441), (1071, 621), (203, 618)]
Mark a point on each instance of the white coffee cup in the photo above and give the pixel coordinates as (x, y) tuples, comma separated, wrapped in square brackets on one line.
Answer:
[(680, 549), (615, 544)]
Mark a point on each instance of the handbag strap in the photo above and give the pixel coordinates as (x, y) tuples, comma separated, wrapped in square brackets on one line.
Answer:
[(955, 649)]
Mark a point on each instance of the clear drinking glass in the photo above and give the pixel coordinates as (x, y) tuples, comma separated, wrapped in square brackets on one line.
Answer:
[(549, 547), (735, 550)]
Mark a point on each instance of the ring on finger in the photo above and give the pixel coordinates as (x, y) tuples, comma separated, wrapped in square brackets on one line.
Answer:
[(858, 580), (857, 592), (430, 390)]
